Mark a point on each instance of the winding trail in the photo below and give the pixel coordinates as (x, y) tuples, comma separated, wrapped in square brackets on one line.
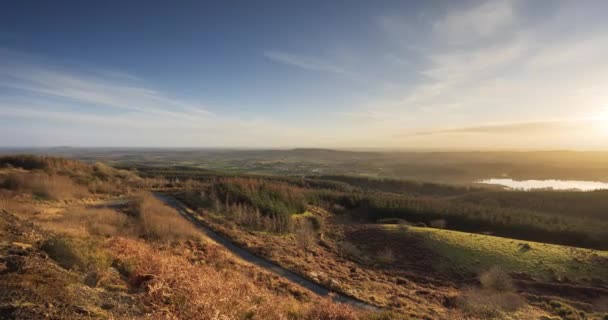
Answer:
[(257, 260)]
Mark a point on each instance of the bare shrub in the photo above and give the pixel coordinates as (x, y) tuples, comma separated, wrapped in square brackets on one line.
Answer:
[(497, 295), (305, 234), (496, 279), (488, 304), (386, 256)]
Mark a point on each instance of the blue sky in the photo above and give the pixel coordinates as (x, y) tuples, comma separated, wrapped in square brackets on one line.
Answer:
[(388, 74)]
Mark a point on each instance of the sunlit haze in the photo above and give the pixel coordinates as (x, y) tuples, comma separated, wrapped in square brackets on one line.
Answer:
[(279, 74)]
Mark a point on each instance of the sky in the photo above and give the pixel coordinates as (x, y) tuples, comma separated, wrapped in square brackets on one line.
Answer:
[(322, 74)]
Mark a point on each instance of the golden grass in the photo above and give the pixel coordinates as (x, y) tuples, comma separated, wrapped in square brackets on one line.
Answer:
[(177, 289), (95, 221), (158, 221), (44, 185)]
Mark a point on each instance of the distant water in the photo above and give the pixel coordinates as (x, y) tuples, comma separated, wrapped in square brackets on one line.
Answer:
[(548, 184)]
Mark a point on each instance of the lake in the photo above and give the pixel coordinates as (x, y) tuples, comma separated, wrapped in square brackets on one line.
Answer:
[(547, 184)]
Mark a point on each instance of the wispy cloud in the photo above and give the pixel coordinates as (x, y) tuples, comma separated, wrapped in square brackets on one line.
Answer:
[(366, 115), (308, 63), (100, 89), (531, 128), (476, 22), (120, 108)]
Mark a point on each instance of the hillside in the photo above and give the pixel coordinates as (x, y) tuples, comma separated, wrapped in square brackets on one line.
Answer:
[(70, 250), (389, 249)]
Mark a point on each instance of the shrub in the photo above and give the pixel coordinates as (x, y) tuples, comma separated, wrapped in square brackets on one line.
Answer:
[(350, 250), (76, 253), (305, 234), (386, 256), (487, 304), (315, 222), (496, 279)]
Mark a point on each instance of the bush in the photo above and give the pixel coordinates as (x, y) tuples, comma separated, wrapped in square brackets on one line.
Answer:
[(306, 236), (75, 253), (350, 250), (496, 279), (315, 222), (385, 256), (488, 304), (497, 295)]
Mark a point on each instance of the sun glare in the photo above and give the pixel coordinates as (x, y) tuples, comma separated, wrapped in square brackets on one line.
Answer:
[(602, 121)]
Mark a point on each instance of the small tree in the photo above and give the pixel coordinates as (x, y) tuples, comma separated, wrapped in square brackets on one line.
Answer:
[(305, 235)]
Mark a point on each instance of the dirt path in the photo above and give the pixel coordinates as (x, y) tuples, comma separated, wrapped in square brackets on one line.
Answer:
[(257, 260)]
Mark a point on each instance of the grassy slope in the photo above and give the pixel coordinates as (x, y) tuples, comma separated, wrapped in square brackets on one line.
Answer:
[(463, 252)]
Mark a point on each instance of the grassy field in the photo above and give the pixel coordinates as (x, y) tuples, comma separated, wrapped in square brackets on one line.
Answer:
[(469, 253)]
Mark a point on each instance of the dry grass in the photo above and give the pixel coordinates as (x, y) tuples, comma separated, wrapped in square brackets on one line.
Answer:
[(177, 289), (95, 221), (77, 253), (157, 221), (147, 218), (23, 208), (44, 185)]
